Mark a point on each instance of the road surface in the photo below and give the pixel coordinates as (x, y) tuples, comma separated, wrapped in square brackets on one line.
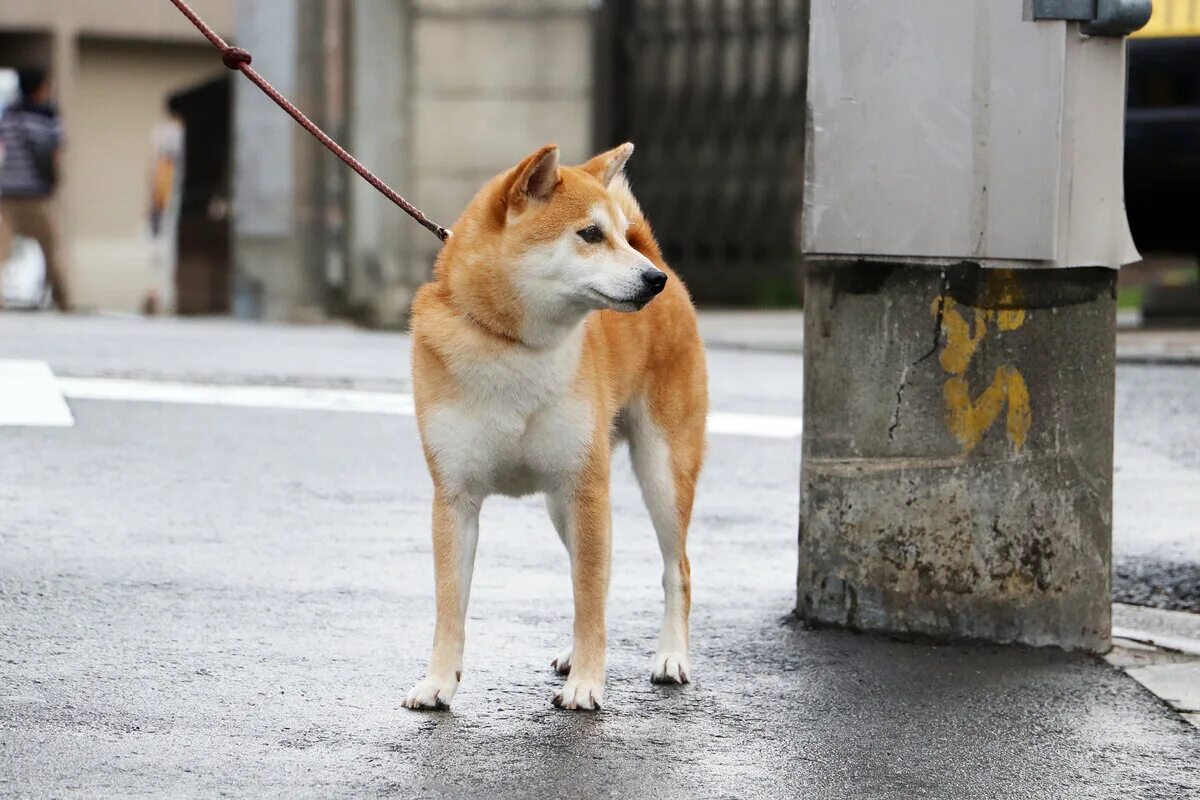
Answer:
[(205, 599)]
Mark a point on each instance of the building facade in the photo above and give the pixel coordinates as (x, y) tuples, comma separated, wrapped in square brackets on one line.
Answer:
[(439, 95), (114, 64), (435, 96)]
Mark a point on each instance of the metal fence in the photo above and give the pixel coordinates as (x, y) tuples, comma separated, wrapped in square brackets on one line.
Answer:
[(712, 92)]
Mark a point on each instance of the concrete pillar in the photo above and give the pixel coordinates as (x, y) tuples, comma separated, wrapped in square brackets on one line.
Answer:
[(957, 457), (468, 88), (278, 225), (962, 219), (440, 96), (378, 287)]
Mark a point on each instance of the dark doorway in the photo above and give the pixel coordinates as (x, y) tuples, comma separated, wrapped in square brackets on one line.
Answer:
[(202, 273), (712, 93), (26, 49)]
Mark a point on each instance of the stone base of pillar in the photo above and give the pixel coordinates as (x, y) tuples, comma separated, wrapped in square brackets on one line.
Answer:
[(957, 457)]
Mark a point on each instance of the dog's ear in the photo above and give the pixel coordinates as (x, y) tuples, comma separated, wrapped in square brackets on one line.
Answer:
[(607, 165), (537, 175)]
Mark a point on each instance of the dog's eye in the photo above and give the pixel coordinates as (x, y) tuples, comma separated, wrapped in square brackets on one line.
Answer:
[(592, 234)]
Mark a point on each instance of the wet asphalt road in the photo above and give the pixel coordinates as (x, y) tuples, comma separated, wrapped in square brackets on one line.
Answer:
[(200, 601), (1156, 541), (1156, 515)]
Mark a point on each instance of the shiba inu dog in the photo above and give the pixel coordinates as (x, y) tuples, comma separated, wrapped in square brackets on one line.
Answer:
[(552, 330)]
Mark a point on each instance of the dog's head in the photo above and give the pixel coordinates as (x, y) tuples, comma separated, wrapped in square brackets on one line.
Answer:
[(544, 243)]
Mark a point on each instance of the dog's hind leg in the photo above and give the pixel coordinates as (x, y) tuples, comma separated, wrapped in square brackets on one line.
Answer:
[(455, 534), (667, 468)]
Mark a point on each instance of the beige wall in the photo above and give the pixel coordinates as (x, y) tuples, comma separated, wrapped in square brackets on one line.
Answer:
[(121, 88), (113, 61), (445, 94), (493, 80), (515, 82), (157, 19)]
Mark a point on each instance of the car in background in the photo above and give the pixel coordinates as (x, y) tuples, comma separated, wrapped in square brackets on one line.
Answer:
[(1162, 130), (1162, 165)]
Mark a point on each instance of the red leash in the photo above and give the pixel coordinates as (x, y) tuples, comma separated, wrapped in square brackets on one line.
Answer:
[(238, 59)]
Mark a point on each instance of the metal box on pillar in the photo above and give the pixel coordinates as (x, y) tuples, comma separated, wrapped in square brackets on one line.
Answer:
[(963, 219)]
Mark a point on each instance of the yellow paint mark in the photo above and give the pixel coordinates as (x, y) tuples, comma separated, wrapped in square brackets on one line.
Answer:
[(1010, 320), (1005, 294), (1020, 415), (969, 419), (960, 340)]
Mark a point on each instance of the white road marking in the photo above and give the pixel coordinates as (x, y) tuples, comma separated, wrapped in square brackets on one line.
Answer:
[(302, 399), (1150, 527), (208, 394), (29, 396), (762, 425)]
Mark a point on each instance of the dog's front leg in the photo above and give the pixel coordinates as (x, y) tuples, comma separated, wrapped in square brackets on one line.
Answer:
[(455, 534), (590, 532)]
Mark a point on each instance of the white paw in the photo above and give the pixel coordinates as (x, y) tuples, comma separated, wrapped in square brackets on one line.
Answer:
[(562, 662), (580, 695), (670, 667), (432, 693)]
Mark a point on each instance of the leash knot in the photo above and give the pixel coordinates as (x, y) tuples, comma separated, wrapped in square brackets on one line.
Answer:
[(235, 57)]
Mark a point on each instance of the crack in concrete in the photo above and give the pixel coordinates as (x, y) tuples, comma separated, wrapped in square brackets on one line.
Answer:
[(899, 401), (937, 339)]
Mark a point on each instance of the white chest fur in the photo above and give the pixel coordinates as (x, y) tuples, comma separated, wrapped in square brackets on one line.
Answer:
[(517, 426)]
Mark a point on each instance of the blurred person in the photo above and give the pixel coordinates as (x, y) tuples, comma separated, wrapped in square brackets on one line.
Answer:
[(166, 191), (31, 133)]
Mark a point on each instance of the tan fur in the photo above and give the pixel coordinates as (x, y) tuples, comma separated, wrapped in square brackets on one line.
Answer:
[(471, 315)]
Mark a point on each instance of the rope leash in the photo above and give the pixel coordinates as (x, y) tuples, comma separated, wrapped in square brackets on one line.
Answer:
[(239, 60)]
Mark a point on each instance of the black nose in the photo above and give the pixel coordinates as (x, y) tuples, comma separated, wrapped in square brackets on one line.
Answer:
[(655, 280)]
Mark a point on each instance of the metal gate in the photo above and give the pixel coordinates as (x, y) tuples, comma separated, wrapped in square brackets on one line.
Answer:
[(712, 92)]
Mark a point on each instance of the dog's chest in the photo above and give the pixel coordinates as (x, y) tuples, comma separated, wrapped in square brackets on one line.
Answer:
[(516, 427)]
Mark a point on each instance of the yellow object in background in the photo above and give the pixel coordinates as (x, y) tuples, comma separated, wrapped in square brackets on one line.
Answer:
[(1172, 18), (163, 184)]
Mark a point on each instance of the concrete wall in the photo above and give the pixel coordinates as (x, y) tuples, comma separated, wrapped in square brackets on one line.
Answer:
[(379, 236), (116, 18), (121, 90), (275, 162), (957, 463), (447, 94), (442, 94)]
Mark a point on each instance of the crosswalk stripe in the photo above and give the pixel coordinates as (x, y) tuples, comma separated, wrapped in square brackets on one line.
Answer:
[(30, 397)]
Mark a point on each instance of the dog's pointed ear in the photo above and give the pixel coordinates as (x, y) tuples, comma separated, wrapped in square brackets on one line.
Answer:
[(537, 175), (608, 165)]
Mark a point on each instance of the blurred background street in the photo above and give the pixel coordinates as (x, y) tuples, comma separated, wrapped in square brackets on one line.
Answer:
[(259, 222)]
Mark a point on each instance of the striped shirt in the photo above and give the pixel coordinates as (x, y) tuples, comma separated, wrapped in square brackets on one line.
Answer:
[(27, 134)]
